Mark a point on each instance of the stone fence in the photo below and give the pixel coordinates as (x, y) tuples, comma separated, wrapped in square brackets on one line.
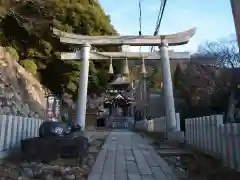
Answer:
[(209, 135), (13, 129)]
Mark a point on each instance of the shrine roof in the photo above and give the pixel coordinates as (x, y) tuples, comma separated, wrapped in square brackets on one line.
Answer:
[(118, 97), (121, 80)]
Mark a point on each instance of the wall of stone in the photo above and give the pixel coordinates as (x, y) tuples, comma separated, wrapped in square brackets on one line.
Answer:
[(20, 93)]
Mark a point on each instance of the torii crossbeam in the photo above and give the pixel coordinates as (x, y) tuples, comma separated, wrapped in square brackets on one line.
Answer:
[(172, 40), (129, 55), (162, 41)]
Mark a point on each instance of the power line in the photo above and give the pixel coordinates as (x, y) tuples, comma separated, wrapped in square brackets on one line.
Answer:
[(159, 18), (140, 21), (140, 17), (159, 15), (162, 8)]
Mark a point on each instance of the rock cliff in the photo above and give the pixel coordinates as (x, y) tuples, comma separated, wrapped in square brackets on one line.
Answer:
[(20, 93)]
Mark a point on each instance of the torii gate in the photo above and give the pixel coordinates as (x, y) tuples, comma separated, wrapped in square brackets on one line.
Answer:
[(236, 16), (162, 41)]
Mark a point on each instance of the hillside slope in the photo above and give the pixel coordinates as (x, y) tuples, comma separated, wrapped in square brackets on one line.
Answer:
[(20, 93), (27, 27)]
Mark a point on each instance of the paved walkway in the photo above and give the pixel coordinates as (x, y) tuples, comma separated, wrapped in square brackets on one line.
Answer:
[(127, 156)]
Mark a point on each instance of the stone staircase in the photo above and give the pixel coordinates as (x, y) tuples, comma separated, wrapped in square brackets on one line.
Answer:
[(119, 123)]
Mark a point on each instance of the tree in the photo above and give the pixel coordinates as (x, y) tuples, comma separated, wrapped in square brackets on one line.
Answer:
[(155, 79), (226, 53), (33, 21), (134, 73), (178, 77)]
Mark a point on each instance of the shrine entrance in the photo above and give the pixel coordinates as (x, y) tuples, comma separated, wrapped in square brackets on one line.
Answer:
[(162, 41), (119, 103)]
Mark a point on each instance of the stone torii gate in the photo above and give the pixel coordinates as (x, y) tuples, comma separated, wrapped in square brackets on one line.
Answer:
[(162, 41)]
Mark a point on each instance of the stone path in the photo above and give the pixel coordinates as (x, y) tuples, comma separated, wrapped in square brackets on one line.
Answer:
[(127, 156)]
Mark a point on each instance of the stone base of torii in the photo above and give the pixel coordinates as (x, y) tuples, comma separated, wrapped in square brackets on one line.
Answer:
[(164, 55)]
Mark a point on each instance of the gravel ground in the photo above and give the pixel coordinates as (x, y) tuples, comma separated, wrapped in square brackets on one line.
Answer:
[(197, 166), (57, 170), (200, 167)]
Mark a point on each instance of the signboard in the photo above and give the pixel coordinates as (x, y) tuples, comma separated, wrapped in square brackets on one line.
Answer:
[(53, 108)]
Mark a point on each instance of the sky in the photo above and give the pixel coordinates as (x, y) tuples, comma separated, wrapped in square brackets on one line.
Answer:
[(212, 18)]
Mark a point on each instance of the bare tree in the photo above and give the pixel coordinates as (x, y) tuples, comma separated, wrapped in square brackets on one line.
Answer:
[(227, 64), (225, 51)]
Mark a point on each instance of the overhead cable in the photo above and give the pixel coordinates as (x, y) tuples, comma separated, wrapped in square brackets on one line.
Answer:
[(159, 18)]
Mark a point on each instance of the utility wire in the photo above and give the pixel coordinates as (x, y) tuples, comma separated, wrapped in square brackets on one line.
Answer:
[(159, 18), (159, 15), (140, 17), (140, 21)]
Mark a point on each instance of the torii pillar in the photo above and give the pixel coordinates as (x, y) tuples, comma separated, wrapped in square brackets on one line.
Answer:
[(83, 86), (167, 88), (236, 15)]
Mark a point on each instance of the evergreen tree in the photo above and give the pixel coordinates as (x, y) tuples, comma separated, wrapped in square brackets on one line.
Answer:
[(178, 77), (27, 28)]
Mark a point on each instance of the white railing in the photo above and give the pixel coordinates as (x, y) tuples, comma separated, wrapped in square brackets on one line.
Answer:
[(13, 129), (211, 136)]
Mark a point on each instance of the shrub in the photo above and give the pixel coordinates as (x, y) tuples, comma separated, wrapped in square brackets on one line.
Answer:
[(30, 66), (13, 53)]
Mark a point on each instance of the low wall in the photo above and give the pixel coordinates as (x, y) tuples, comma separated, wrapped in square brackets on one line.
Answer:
[(13, 129), (130, 121), (211, 136), (156, 125)]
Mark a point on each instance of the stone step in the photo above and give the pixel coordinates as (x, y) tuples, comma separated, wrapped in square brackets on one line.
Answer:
[(173, 152), (166, 146), (119, 125), (119, 120)]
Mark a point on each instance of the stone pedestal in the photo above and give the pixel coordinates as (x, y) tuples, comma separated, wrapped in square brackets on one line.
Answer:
[(176, 136), (48, 149)]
